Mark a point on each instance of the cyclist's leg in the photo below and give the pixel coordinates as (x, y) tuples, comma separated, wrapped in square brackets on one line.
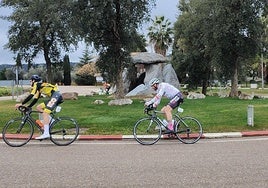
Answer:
[(46, 108), (167, 110), (45, 113), (173, 103), (50, 105)]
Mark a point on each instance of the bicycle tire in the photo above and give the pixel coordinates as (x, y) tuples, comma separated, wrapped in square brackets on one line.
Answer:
[(64, 131), (147, 131), (188, 130), (17, 133)]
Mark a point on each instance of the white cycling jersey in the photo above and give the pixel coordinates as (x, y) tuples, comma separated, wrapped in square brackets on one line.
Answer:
[(164, 89)]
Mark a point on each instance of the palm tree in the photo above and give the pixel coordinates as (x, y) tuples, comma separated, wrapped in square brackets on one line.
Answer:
[(160, 34)]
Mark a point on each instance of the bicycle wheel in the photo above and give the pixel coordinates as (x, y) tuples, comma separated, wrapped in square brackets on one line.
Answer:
[(188, 130), (147, 131), (17, 132), (64, 131)]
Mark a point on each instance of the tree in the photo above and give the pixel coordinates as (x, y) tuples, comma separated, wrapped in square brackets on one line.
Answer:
[(86, 74), (110, 26), (18, 61), (228, 35), (238, 35), (191, 49), (160, 34), (66, 71), (87, 56), (40, 26)]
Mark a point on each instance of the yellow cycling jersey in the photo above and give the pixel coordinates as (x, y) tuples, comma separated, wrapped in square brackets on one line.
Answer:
[(43, 88)]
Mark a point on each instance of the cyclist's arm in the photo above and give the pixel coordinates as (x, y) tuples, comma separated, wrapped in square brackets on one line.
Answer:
[(157, 98), (32, 103), (36, 97), (27, 99), (34, 93)]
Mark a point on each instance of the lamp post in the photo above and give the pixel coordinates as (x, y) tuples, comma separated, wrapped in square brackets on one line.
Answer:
[(262, 68), (262, 79)]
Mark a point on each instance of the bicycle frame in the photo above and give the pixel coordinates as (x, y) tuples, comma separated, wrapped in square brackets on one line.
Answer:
[(154, 116), (26, 116), (177, 119)]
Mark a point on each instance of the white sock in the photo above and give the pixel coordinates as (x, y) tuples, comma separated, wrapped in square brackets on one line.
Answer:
[(46, 129)]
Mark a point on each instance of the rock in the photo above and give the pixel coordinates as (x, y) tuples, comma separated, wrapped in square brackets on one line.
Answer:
[(70, 96), (153, 71), (170, 76), (245, 96), (120, 102), (140, 90), (147, 57), (98, 102), (195, 96), (163, 71)]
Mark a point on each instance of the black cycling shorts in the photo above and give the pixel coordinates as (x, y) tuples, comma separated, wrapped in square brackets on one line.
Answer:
[(176, 101)]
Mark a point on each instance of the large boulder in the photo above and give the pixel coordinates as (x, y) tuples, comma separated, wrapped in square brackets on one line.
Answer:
[(140, 90), (163, 71), (153, 71), (170, 76)]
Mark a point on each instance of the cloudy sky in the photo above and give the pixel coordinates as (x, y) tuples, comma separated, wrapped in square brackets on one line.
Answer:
[(167, 8)]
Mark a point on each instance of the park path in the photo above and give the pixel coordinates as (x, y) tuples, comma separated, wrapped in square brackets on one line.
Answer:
[(81, 90)]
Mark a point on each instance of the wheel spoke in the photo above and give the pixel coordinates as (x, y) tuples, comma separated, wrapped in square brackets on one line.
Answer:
[(188, 130), (64, 131), (146, 131), (17, 133)]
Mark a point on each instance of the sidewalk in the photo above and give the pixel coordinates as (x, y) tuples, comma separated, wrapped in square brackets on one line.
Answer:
[(7, 98), (81, 90)]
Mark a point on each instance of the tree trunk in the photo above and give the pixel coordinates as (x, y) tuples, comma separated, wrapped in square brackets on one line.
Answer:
[(204, 87), (48, 66), (118, 54), (234, 82), (159, 50), (205, 81), (119, 94)]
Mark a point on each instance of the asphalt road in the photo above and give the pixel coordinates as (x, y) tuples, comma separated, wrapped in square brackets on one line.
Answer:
[(229, 162)]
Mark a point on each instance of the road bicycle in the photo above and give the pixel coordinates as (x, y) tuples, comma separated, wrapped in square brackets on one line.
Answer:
[(149, 130), (19, 131)]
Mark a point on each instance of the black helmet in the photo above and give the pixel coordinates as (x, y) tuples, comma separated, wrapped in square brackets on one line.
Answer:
[(36, 78)]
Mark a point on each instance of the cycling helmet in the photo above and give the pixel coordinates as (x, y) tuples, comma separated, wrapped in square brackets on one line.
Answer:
[(154, 81), (36, 78)]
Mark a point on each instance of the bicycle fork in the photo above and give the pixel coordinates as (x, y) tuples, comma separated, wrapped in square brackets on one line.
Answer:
[(21, 125), (149, 126)]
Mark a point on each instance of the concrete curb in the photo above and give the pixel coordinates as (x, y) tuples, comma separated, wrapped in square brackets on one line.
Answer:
[(204, 136)]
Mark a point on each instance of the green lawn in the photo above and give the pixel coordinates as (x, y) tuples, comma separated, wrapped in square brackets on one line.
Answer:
[(216, 114)]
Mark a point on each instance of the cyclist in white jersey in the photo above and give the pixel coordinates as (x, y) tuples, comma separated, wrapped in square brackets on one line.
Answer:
[(169, 91)]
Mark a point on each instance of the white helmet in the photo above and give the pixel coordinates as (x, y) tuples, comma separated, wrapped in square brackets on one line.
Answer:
[(154, 81)]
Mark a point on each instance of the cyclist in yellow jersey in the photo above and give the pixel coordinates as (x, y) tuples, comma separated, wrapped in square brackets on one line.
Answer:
[(55, 97)]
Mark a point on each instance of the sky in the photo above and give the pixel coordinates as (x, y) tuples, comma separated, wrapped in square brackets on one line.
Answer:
[(167, 8)]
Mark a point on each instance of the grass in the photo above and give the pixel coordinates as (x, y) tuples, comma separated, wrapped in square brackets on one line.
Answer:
[(216, 114)]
